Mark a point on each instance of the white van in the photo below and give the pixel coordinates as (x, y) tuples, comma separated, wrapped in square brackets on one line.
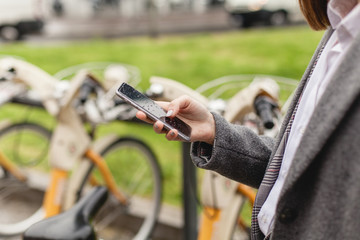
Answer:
[(20, 17), (245, 13)]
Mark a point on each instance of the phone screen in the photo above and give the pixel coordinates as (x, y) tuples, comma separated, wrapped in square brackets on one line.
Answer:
[(153, 110)]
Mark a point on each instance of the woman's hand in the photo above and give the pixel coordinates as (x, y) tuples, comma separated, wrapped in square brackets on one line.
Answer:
[(190, 111)]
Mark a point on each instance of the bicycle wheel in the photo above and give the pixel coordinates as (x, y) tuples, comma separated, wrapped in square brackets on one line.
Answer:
[(138, 176), (26, 146)]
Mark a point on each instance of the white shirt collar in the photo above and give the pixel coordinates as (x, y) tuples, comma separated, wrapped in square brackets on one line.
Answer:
[(344, 16), (341, 6), (339, 9)]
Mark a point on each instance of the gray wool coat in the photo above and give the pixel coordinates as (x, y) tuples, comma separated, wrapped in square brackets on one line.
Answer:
[(321, 195)]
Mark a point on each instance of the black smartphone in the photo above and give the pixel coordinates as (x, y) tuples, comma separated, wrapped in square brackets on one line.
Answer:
[(153, 110)]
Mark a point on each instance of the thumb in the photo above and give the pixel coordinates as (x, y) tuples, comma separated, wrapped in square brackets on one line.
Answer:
[(177, 104)]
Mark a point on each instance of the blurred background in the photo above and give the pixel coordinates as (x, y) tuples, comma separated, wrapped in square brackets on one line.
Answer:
[(64, 19), (190, 41)]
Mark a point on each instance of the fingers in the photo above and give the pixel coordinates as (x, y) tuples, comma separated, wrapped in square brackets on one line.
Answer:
[(171, 135), (142, 116), (179, 103), (159, 127), (172, 109)]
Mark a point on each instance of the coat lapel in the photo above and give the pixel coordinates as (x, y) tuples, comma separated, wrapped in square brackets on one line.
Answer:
[(341, 92), (300, 88)]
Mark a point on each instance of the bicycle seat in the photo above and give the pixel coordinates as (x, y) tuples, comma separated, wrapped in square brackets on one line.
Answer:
[(72, 224)]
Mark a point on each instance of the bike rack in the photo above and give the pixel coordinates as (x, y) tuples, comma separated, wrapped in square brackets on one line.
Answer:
[(190, 227)]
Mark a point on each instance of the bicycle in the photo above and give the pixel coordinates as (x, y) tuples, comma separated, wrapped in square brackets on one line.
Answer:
[(222, 198), (64, 152), (236, 192), (32, 143)]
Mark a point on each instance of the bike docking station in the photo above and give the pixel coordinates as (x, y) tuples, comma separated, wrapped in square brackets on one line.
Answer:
[(75, 143), (190, 228)]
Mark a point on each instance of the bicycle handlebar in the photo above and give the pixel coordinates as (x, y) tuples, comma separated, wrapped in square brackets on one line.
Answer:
[(89, 86), (264, 106)]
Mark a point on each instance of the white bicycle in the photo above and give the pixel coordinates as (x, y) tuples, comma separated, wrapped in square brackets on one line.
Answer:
[(74, 158)]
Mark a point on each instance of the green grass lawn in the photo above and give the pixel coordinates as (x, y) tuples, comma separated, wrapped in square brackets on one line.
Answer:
[(191, 59)]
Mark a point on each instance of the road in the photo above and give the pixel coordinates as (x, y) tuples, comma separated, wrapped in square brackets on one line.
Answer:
[(113, 27)]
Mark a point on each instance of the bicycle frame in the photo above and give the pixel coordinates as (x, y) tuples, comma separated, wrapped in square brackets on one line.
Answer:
[(10, 167), (217, 225), (6, 163), (70, 142), (53, 203)]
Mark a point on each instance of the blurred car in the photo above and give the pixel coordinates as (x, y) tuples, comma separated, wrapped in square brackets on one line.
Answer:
[(20, 17), (245, 13)]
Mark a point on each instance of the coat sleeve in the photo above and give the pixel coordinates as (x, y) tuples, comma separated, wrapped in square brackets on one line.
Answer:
[(238, 153)]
